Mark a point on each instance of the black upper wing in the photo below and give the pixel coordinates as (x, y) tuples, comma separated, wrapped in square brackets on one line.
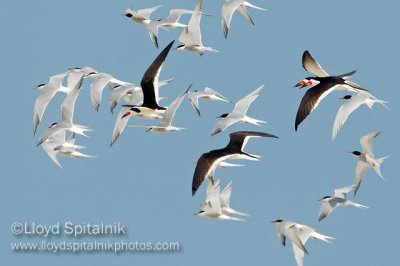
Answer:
[(151, 74), (237, 138), (311, 100)]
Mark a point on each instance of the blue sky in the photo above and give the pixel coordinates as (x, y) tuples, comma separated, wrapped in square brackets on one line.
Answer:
[(144, 180)]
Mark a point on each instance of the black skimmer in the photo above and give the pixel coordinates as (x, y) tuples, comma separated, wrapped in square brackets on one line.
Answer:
[(322, 83), (209, 161), (150, 85)]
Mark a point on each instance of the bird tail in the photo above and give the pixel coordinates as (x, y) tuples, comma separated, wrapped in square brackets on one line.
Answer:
[(322, 237), (237, 219), (79, 154), (247, 4), (350, 203), (383, 103), (241, 213), (377, 166)]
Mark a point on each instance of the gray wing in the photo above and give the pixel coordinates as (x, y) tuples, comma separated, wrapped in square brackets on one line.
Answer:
[(361, 168), (213, 92), (40, 106), (175, 14), (292, 233), (191, 35), (48, 147), (342, 192), (312, 66), (225, 195), (214, 201), (325, 210), (68, 105), (344, 111), (147, 11), (152, 27), (193, 97), (120, 124), (116, 94), (227, 12), (366, 142), (97, 87), (243, 105), (223, 124), (171, 110)]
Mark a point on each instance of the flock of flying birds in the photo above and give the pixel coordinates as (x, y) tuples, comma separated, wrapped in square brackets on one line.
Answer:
[(144, 102)]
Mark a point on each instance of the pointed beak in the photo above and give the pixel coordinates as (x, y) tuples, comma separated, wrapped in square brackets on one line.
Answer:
[(297, 85), (126, 114)]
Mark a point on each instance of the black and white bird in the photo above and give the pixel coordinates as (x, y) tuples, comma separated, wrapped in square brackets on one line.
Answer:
[(208, 162), (132, 95), (141, 16), (49, 90), (225, 198), (205, 94), (67, 114), (57, 145), (212, 209), (170, 22), (126, 92), (238, 115), (166, 120), (191, 35), (150, 87), (339, 199), (299, 234), (322, 83), (230, 6), (366, 159), (352, 103), (100, 81)]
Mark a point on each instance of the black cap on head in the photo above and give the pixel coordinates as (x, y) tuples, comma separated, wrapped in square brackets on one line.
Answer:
[(347, 97), (129, 15), (356, 153), (224, 115), (278, 221)]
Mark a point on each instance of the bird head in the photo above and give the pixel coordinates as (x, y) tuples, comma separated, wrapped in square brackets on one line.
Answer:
[(347, 97), (180, 47), (325, 199), (223, 115), (277, 221), (90, 74), (39, 87), (53, 125), (355, 153), (200, 213), (306, 82)]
